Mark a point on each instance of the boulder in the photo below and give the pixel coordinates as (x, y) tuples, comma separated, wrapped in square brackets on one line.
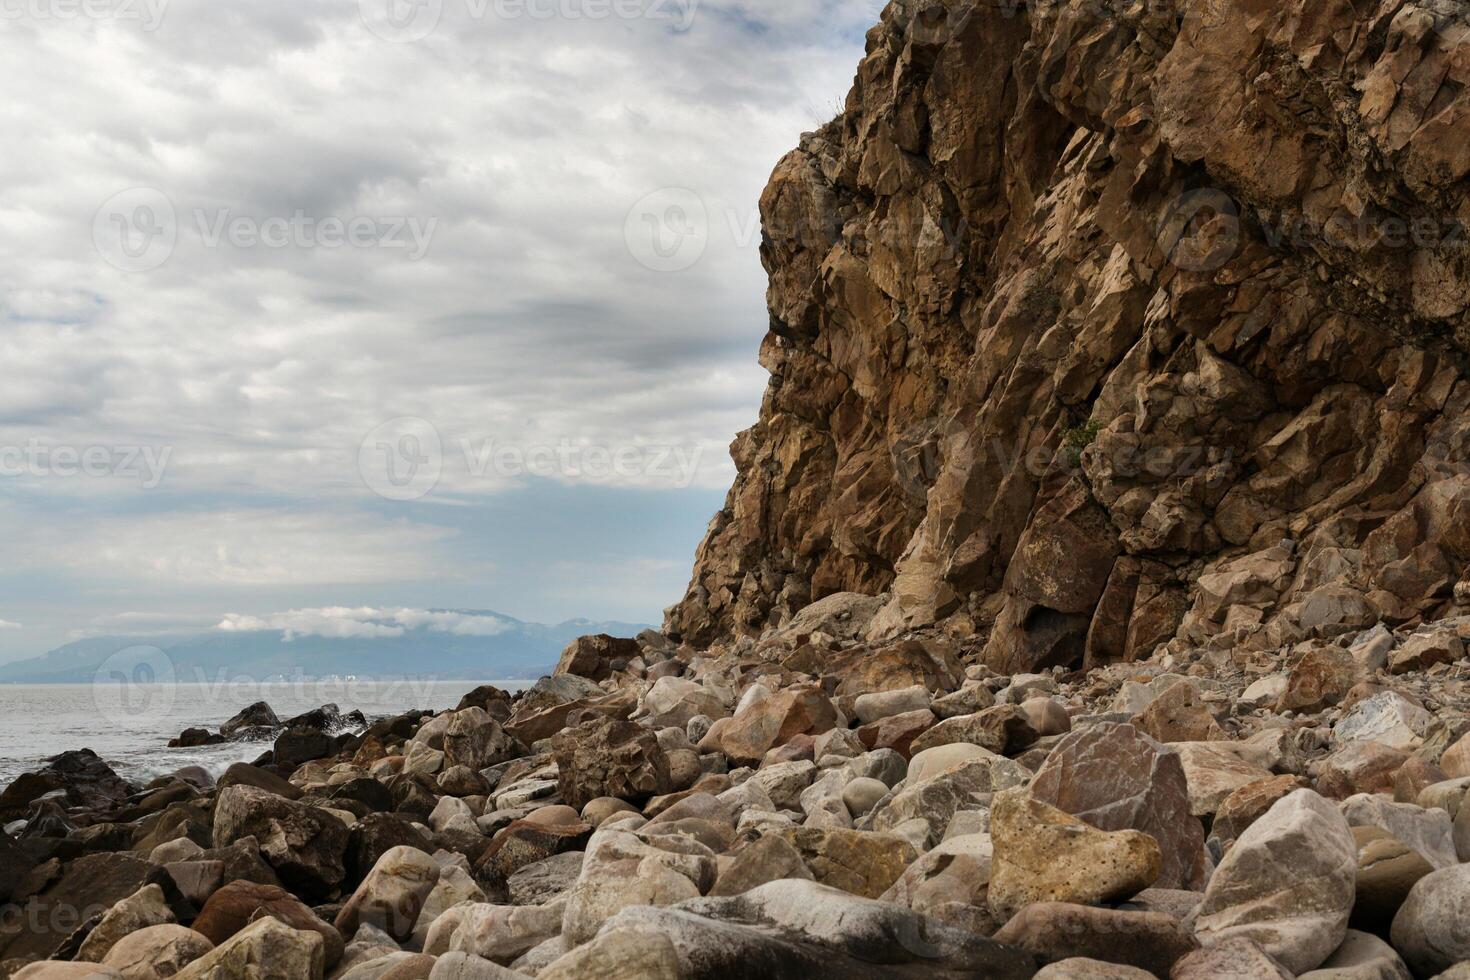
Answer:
[(392, 895), (304, 845), (156, 952), (905, 663), (465, 966), (1004, 729), (544, 881), (896, 732), (375, 835), (297, 745), (802, 929), (1214, 770), (525, 842), (863, 864), (254, 721), (1387, 870), (1423, 650), (673, 702), (244, 774), (1179, 715), (1251, 802), (476, 741), (238, 903), (1044, 855), (622, 870), (775, 719), (1056, 931), (618, 954), (955, 872), (1287, 884), (1360, 767), (1432, 928), (936, 796), (1319, 680), (145, 907), (862, 794), (83, 780), (1361, 957), (1115, 777), (266, 948), (885, 704), (455, 886), (65, 970), (1428, 832), (501, 933), (1388, 718), (1456, 759), (1237, 958), (604, 757), (766, 859), (595, 657), (1082, 968), (1414, 777), (62, 897)]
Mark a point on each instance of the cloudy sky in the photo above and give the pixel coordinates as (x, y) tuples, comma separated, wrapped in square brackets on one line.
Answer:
[(399, 303)]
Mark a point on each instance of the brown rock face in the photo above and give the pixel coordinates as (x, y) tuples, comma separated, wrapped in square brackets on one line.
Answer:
[(1097, 324)]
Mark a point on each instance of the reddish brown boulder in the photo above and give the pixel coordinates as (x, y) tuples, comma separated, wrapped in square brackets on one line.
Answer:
[(1249, 803), (896, 732), (240, 903), (1414, 777), (1360, 767), (774, 720), (1179, 715), (1322, 677)]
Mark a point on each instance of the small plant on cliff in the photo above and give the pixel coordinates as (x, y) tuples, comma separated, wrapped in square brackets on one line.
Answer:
[(1078, 438)]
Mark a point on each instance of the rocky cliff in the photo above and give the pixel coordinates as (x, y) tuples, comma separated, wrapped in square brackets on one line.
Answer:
[(1099, 323)]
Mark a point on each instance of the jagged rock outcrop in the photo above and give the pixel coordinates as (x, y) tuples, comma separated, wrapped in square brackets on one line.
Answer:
[(1082, 308)]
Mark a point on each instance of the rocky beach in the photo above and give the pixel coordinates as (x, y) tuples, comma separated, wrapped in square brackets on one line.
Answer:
[(1091, 602)]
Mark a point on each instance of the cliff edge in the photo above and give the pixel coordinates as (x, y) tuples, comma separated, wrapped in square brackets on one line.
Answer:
[(1096, 324)]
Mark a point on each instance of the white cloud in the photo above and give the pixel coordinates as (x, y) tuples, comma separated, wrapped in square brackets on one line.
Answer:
[(245, 548), (363, 623), (6, 624)]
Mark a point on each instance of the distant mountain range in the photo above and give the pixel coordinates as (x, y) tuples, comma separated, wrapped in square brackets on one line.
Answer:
[(430, 644)]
